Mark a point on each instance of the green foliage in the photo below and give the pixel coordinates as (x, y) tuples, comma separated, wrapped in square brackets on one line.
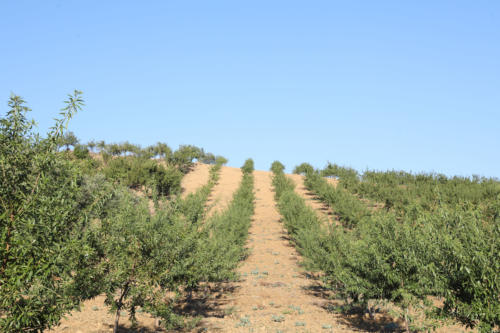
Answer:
[(193, 206), (67, 140), (348, 208), (277, 167), (470, 262), (222, 250), (92, 145), (68, 233), (81, 152), (301, 222), (150, 258), (183, 157), (142, 258), (147, 257), (136, 172), (44, 255), (208, 158), (248, 167), (162, 150), (220, 160), (399, 189), (433, 238), (304, 168), (347, 176)]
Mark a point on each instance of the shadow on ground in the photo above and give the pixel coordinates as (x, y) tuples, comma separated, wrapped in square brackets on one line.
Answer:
[(355, 318)]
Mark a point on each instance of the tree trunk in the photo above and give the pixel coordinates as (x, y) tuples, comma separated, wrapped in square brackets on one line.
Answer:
[(117, 319), (119, 306)]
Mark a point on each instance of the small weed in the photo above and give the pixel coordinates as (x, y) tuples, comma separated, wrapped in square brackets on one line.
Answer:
[(95, 308), (255, 308), (277, 319), (300, 323), (297, 308), (229, 310), (265, 273), (326, 326), (244, 321), (255, 272)]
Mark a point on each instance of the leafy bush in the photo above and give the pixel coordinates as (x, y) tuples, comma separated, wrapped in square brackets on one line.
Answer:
[(136, 172), (348, 208), (277, 167), (193, 206), (183, 157), (248, 167), (148, 257), (221, 251), (46, 263), (434, 238), (301, 222), (220, 160), (141, 255), (81, 152), (67, 139), (304, 168)]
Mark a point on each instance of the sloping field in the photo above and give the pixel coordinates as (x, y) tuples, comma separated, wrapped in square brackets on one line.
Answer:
[(222, 192), (274, 293)]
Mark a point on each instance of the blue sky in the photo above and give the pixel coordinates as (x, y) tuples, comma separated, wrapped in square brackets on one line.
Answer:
[(411, 85)]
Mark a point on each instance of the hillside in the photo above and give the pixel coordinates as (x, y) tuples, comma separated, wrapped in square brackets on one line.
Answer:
[(274, 294)]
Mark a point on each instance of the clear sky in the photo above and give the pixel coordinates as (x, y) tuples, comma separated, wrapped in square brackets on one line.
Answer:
[(411, 85)]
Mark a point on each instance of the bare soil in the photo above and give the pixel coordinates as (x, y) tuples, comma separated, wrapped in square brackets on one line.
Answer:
[(195, 179), (274, 293), (223, 191)]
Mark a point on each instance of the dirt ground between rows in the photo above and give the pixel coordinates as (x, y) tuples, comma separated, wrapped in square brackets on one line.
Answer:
[(223, 191), (274, 293)]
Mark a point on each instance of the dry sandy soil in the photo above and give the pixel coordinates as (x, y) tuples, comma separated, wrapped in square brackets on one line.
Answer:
[(274, 293)]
